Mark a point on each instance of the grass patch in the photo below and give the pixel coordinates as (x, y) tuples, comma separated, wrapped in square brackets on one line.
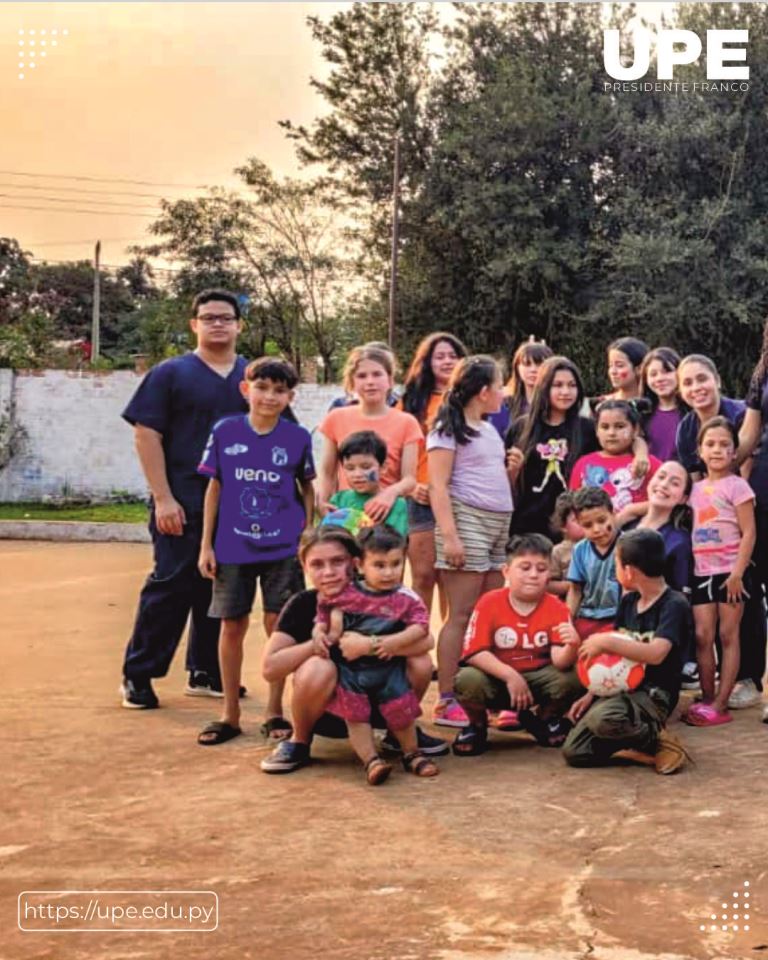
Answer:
[(92, 512)]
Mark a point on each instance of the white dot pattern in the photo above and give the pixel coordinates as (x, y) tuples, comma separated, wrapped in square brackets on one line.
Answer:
[(29, 54), (735, 906)]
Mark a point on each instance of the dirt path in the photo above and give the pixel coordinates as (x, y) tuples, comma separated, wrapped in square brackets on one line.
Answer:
[(511, 855)]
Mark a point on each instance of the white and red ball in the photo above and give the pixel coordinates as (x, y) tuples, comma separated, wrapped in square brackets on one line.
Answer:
[(608, 674)]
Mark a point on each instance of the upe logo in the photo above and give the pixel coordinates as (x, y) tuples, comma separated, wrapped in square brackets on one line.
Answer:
[(677, 47)]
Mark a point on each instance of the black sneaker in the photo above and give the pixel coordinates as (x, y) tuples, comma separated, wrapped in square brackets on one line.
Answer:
[(429, 746), (138, 695), (689, 679), (286, 757), (202, 684)]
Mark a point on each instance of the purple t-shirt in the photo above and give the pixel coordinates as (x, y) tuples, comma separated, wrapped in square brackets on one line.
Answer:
[(260, 513), (661, 433), (479, 478)]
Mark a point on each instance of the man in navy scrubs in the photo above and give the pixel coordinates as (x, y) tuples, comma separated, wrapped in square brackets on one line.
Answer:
[(172, 414)]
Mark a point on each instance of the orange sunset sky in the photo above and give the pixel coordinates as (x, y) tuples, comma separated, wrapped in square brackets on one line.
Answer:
[(168, 93)]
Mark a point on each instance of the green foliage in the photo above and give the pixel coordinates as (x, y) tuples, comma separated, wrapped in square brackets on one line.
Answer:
[(27, 341)]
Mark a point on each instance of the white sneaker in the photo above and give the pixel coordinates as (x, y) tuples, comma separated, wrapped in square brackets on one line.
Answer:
[(745, 694)]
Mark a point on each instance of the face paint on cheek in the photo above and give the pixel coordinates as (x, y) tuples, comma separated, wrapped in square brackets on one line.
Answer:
[(372, 476)]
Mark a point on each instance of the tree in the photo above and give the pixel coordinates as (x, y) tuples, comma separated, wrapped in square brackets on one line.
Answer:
[(15, 283), (281, 246)]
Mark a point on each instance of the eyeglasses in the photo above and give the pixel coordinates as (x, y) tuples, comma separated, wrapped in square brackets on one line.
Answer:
[(210, 318)]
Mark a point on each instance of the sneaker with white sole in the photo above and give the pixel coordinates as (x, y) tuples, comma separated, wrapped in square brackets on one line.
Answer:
[(202, 684), (689, 679), (138, 694), (449, 713), (428, 745), (745, 694)]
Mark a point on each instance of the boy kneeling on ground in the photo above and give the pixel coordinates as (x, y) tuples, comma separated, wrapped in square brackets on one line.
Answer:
[(652, 623), (519, 652)]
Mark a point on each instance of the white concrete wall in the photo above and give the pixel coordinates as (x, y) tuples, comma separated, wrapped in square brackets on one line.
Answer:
[(72, 439)]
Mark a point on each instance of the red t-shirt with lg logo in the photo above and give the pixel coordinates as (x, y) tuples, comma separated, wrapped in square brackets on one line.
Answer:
[(522, 641)]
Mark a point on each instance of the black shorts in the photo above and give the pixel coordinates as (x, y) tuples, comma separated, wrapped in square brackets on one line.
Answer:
[(710, 589), (234, 588)]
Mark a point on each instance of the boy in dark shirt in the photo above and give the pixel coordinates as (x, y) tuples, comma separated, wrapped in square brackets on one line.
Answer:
[(632, 725)]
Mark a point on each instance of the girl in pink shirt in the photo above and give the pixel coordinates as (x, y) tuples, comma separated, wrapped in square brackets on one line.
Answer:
[(617, 427), (723, 507)]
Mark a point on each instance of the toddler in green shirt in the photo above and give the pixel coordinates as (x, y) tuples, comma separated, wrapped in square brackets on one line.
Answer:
[(362, 456)]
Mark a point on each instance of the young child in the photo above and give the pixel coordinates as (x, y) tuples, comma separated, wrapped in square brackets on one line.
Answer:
[(471, 496), (378, 606), (362, 456), (617, 427), (723, 540), (593, 594), (651, 623), (519, 652), (257, 464), (564, 522), (659, 380)]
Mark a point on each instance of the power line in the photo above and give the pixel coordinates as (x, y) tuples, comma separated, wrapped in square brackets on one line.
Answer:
[(78, 243), (105, 213), (67, 176), (107, 203), (101, 193)]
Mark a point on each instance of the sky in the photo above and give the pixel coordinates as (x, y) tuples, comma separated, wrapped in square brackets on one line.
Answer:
[(173, 94)]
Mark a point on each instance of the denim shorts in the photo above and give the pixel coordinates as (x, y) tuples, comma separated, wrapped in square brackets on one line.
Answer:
[(234, 588), (421, 519)]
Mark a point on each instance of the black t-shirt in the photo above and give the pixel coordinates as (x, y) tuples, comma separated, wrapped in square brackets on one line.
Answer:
[(545, 474), (297, 618), (757, 399), (669, 617)]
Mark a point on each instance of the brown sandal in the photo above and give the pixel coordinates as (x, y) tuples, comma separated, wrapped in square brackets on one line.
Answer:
[(377, 770), (419, 765)]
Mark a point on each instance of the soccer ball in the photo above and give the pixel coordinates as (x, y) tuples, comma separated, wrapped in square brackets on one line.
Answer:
[(608, 674), (351, 519)]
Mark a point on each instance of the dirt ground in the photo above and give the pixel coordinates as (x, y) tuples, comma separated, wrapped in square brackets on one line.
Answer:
[(511, 855)]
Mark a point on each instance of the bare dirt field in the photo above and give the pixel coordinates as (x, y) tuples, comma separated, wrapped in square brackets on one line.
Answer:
[(511, 855)]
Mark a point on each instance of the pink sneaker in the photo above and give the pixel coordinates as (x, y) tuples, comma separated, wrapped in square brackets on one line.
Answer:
[(506, 720), (449, 713)]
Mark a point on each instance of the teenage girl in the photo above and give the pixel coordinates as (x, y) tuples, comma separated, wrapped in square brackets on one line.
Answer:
[(518, 393), (472, 501), (617, 427), (669, 514), (659, 381), (723, 539), (625, 360), (369, 374), (545, 444), (426, 382)]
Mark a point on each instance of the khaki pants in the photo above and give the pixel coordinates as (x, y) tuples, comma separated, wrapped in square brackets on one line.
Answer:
[(549, 686), (626, 721)]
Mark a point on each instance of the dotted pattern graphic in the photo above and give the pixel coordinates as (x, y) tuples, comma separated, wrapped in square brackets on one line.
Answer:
[(34, 46), (738, 920)]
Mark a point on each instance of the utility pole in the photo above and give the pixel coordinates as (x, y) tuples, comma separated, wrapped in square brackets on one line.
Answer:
[(95, 320), (395, 237)]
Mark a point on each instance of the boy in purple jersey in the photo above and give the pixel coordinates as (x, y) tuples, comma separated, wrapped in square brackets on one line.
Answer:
[(257, 464)]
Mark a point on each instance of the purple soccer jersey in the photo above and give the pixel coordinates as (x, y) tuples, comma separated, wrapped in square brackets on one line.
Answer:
[(261, 515)]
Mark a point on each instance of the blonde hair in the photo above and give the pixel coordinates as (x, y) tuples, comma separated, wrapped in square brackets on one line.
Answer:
[(375, 352)]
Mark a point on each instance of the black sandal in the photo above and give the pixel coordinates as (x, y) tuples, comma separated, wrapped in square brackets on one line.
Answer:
[(419, 765), (276, 728), (216, 733), (471, 741), (377, 770)]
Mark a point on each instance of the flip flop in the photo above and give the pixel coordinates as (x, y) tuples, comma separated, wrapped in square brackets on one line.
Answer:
[(276, 728), (216, 733), (506, 720), (705, 715)]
